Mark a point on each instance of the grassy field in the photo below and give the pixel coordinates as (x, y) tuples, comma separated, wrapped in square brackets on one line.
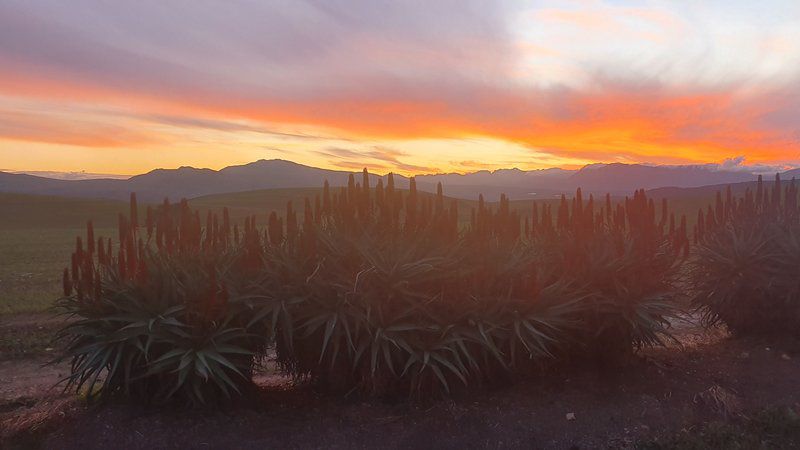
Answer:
[(262, 202), (31, 265), (37, 233)]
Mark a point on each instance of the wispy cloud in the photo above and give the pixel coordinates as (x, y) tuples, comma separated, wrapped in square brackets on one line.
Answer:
[(374, 157), (573, 81)]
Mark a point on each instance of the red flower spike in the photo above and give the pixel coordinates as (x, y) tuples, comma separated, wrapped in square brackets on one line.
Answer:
[(79, 248), (90, 237), (121, 264), (66, 283), (134, 212), (101, 252), (149, 221), (75, 266)]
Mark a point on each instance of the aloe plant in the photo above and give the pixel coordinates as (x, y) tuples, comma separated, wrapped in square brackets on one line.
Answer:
[(745, 273), (372, 289)]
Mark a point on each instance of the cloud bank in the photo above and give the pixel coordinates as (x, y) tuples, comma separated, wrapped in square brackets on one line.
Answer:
[(570, 82)]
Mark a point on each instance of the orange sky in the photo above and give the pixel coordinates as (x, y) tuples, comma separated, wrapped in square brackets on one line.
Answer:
[(88, 89)]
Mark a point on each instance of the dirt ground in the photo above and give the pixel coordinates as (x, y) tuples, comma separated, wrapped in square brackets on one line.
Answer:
[(710, 376)]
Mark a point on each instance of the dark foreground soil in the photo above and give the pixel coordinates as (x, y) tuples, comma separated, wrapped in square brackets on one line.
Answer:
[(710, 377)]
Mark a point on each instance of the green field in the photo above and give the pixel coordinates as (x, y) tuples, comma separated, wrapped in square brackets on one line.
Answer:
[(262, 202), (37, 233)]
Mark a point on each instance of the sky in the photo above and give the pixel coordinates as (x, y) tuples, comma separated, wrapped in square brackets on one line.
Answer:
[(411, 86)]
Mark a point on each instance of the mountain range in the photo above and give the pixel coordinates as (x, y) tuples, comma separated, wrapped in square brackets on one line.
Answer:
[(192, 182)]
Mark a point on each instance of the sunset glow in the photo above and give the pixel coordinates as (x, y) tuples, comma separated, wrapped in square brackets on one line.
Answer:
[(451, 86)]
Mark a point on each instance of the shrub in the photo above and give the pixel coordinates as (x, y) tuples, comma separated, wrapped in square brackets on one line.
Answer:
[(745, 273), (157, 321), (373, 289), (416, 316), (625, 261)]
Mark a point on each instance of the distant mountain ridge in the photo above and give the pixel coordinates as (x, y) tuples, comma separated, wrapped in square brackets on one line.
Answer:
[(189, 182), (185, 182), (618, 178)]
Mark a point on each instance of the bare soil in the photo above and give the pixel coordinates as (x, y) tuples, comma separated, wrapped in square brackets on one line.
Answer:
[(707, 376)]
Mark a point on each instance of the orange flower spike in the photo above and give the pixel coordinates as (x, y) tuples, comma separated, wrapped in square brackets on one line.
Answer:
[(365, 204), (351, 189), (209, 232), (90, 237), (130, 252), (226, 225), (776, 191), (216, 235), (197, 230), (411, 206), (759, 191), (439, 208), (390, 202), (122, 227), (134, 213), (308, 217), (66, 282), (149, 221), (79, 248), (291, 222), (326, 198), (88, 277), (121, 264), (101, 252), (317, 210)]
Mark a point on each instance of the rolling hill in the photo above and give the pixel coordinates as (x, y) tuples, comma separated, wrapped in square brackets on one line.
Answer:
[(189, 182), (184, 182), (624, 178)]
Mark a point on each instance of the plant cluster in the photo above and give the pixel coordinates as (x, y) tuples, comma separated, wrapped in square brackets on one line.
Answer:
[(746, 273), (376, 289)]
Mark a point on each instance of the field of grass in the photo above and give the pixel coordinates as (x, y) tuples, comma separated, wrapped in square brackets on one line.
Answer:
[(30, 266), (262, 202), (37, 235)]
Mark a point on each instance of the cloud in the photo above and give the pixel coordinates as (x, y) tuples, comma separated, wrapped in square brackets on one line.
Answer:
[(739, 164), (591, 80), (70, 175), (72, 131), (221, 125), (375, 157)]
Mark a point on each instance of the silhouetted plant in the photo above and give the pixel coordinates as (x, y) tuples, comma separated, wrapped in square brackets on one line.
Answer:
[(375, 289), (745, 273)]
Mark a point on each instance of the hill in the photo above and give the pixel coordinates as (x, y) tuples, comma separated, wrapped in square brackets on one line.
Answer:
[(184, 182), (624, 178), (189, 182), (26, 212)]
